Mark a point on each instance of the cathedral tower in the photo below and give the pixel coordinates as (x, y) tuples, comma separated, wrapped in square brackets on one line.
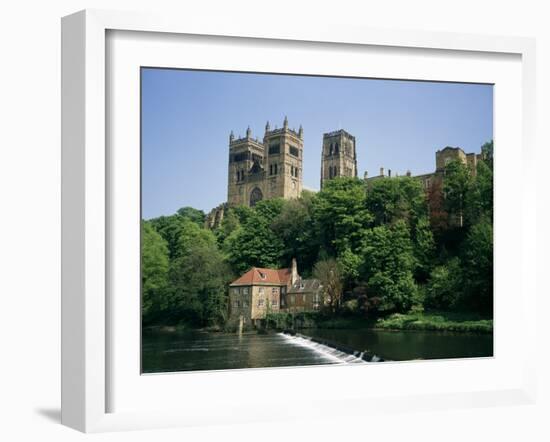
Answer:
[(284, 157), (246, 170), (338, 157), (272, 169)]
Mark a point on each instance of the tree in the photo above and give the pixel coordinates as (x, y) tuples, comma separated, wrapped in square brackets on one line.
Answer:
[(189, 235), (424, 248), (341, 214), (393, 199), (229, 224), (479, 201), (199, 279), (329, 273), (195, 215), (254, 243), (487, 154), (477, 258), (154, 270), (296, 228), (444, 288), (388, 264), (456, 186), (439, 218)]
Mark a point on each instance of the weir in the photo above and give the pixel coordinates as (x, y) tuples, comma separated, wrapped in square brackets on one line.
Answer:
[(338, 355)]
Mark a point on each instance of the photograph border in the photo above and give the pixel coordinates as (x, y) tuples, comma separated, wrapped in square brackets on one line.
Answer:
[(85, 199)]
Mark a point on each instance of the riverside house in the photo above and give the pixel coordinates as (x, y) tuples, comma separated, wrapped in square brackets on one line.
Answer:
[(261, 291)]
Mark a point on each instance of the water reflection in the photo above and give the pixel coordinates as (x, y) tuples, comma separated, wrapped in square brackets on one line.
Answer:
[(197, 350)]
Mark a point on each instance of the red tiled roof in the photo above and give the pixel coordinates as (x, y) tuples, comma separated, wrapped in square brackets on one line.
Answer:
[(258, 275)]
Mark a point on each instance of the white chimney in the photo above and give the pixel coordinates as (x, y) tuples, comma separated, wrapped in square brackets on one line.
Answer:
[(294, 275)]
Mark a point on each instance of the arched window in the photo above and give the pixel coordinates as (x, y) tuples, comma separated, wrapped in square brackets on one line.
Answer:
[(335, 171), (276, 169), (330, 149), (330, 171), (336, 148), (255, 196)]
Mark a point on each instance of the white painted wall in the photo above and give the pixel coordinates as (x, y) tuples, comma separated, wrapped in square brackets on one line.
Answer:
[(30, 214)]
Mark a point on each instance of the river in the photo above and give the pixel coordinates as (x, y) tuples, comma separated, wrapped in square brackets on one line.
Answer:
[(197, 350)]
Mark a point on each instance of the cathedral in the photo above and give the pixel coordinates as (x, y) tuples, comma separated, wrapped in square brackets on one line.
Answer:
[(272, 167)]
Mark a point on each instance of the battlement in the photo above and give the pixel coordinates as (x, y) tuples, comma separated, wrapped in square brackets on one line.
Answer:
[(337, 133)]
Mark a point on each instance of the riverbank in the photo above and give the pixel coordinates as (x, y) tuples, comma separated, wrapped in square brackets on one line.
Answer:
[(425, 321), (435, 322)]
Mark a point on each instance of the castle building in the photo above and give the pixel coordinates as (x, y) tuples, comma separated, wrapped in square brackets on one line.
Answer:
[(266, 169), (338, 157), (442, 158)]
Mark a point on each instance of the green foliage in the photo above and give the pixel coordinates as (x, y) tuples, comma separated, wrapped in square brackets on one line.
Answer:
[(195, 215), (199, 281), (437, 322), (444, 289), (349, 264), (229, 224), (457, 185), (289, 321), (479, 201), (255, 243), (424, 248), (154, 269), (388, 266), (487, 154), (377, 248), (477, 257), (399, 198), (341, 214), (295, 226)]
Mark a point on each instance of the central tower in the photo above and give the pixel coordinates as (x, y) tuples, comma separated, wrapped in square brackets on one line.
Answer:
[(338, 157)]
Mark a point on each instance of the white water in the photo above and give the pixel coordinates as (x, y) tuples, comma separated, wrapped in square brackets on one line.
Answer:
[(331, 353)]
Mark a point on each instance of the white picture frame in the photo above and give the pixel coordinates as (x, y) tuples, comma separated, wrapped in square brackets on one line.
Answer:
[(87, 356)]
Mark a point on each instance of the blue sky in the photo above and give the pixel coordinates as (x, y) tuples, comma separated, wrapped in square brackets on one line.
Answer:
[(187, 117)]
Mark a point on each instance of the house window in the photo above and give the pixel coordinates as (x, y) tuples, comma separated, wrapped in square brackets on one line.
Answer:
[(274, 302), (283, 290), (236, 291), (261, 290), (245, 290), (260, 302), (274, 290), (245, 303), (282, 302), (237, 303)]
